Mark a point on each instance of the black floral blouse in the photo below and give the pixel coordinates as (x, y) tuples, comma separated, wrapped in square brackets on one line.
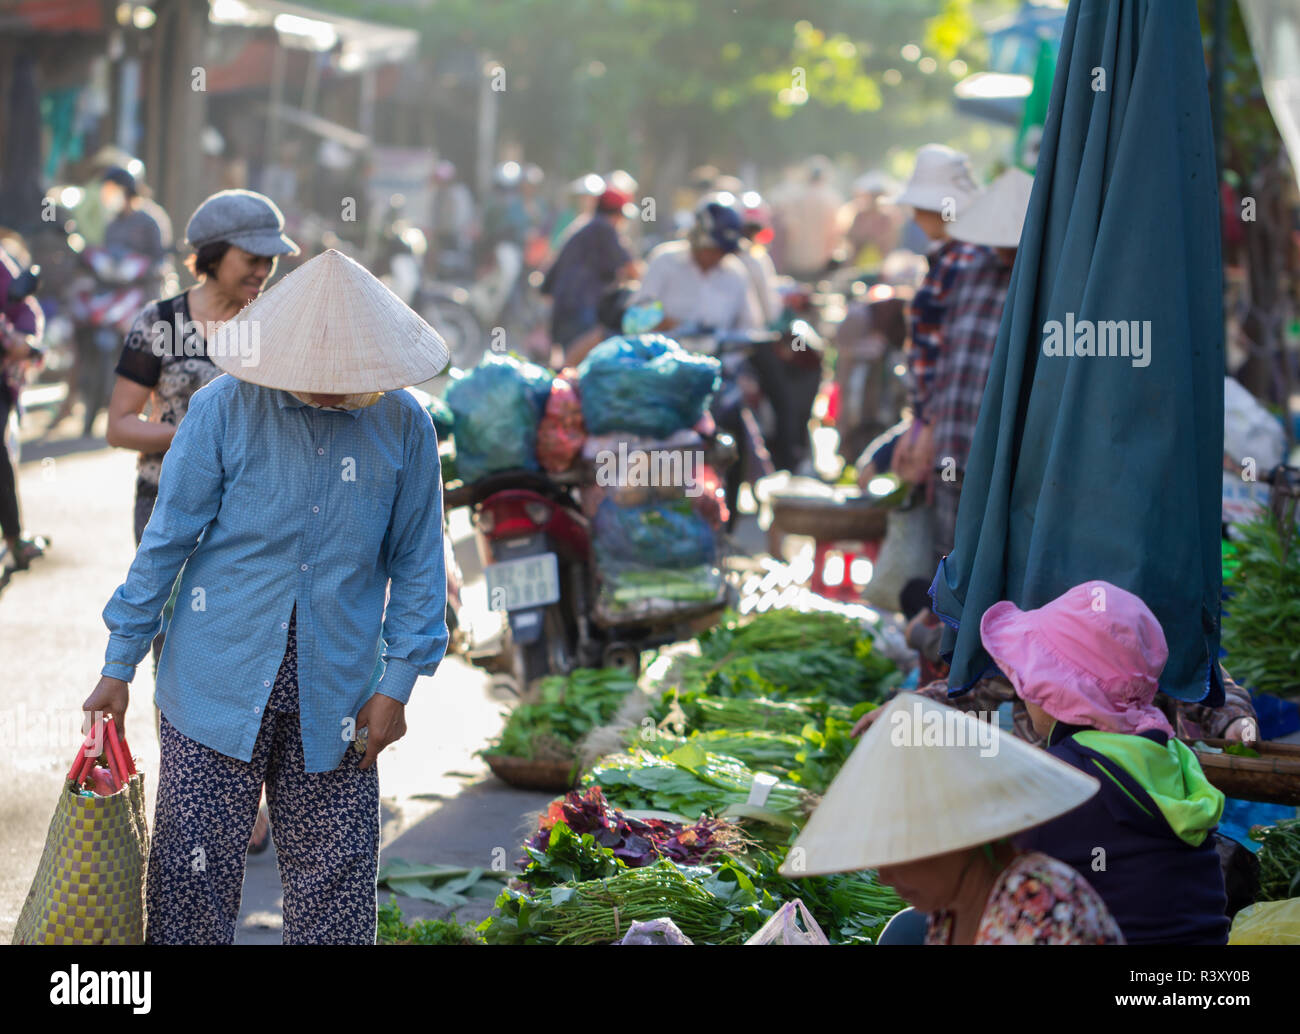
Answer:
[(159, 356)]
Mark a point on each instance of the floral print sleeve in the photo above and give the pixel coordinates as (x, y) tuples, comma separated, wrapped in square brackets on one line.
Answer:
[(172, 364), (140, 360), (1038, 900)]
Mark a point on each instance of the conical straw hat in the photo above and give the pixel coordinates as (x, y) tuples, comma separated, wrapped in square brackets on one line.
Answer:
[(927, 779), (997, 217), (331, 328)]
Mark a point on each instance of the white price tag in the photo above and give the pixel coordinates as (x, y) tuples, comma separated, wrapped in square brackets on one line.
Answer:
[(760, 788)]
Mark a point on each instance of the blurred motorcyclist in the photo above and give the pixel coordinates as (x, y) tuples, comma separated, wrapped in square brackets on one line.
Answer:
[(699, 280), (593, 258), (506, 223), (452, 216), (583, 195), (137, 229), (870, 222), (807, 217), (137, 225)]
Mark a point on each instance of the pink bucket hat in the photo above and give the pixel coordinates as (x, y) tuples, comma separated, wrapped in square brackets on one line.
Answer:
[(1093, 656)]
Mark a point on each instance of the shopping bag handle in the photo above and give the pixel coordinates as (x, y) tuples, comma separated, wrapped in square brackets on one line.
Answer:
[(117, 747), (120, 764)]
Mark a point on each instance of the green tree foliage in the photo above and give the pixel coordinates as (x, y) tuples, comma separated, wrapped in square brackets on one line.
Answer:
[(765, 80)]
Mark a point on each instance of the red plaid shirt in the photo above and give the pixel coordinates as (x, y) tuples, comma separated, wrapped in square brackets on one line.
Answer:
[(974, 315), (930, 317)]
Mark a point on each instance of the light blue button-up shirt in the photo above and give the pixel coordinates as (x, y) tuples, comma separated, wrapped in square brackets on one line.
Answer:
[(267, 502)]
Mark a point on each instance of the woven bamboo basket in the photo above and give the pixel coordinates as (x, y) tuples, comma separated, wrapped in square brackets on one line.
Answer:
[(851, 519), (556, 776), (1271, 778)]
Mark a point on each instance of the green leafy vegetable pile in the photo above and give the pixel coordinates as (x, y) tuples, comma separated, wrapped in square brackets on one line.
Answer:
[(570, 707), (747, 731), (1261, 619), (789, 655), (1279, 860), (392, 929), (696, 710), (600, 911)]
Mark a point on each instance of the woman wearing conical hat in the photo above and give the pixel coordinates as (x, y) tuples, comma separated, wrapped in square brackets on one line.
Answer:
[(301, 502), (946, 792)]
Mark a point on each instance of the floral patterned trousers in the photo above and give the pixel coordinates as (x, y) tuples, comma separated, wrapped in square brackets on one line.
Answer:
[(325, 827)]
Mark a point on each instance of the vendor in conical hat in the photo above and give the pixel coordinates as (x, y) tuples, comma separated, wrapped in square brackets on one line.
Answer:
[(301, 503), (930, 798)]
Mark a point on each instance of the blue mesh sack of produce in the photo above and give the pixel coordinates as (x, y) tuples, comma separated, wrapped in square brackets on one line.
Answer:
[(665, 534), (497, 406), (646, 384)]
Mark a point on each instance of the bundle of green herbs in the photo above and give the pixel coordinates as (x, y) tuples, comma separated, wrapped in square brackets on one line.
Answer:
[(570, 706), (600, 911), (691, 781), (1261, 616), (1279, 860), (392, 928), (789, 655)]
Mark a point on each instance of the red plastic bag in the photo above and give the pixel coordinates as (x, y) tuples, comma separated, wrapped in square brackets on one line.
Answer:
[(561, 431)]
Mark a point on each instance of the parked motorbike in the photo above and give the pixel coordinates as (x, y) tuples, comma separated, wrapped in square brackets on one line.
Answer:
[(540, 568), (735, 402)]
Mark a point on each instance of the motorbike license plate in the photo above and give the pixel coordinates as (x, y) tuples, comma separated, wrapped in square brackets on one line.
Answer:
[(532, 581)]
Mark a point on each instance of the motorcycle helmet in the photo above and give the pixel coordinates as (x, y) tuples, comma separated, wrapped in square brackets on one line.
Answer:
[(718, 225)]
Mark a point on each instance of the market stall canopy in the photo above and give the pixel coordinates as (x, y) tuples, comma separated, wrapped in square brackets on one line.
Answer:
[(1099, 445), (318, 126), (361, 44), (993, 96), (1017, 45), (1014, 40), (1274, 27)]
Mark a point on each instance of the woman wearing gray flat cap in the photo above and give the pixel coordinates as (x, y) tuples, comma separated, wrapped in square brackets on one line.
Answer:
[(237, 235)]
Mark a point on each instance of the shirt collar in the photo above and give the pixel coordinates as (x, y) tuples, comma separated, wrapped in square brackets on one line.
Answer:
[(287, 401)]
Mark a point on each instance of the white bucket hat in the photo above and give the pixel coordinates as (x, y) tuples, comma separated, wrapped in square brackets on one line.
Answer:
[(925, 780), (941, 175), (997, 217), (330, 328)]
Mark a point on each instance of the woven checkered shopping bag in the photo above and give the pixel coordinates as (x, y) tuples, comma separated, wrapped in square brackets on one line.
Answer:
[(89, 886)]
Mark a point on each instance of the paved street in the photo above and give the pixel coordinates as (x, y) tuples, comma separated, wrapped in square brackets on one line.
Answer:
[(440, 803)]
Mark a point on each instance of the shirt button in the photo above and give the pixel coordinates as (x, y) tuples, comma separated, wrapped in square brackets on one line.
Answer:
[(304, 567), (320, 452), (266, 683), (284, 624), (256, 710), (315, 509)]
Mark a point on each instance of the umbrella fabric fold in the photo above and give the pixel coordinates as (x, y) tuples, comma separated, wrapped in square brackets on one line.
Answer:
[(1099, 445)]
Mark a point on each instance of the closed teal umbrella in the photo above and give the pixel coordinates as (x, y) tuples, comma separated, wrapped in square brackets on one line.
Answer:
[(1107, 466)]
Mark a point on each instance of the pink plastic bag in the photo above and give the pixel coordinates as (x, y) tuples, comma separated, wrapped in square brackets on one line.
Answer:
[(561, 431)]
